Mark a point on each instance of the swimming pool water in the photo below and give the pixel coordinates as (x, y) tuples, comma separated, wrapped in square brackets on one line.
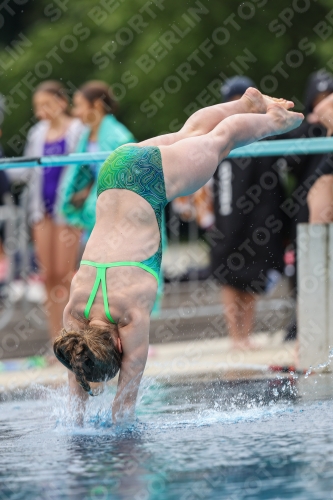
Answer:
[(255, 440)]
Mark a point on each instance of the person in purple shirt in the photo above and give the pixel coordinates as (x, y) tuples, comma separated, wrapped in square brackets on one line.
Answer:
[(52, 175), (56, 243)]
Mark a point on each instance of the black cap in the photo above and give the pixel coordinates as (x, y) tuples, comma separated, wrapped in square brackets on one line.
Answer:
[(318, 82), (236, 85)]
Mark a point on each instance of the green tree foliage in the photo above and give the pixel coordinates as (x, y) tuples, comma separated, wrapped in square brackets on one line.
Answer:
[(164, 58)]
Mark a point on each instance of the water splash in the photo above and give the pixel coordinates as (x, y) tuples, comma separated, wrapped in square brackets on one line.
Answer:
[(321, 366), (171, 407), (192, 441)]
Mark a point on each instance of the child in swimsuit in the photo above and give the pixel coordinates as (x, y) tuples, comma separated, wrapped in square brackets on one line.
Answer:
[(106, 321)]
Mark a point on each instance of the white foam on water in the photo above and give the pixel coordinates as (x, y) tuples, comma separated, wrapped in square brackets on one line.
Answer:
[(212, 416), (155, 412), (163, 408)]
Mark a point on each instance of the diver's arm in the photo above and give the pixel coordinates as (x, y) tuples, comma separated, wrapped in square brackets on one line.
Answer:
[(135, 343), (78, 399)]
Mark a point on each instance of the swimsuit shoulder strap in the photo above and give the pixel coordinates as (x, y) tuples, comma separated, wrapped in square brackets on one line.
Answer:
[(100, 278), (129, 263)]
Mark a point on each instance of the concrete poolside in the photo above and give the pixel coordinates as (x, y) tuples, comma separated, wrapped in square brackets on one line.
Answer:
[(189, 311), (175, 362)]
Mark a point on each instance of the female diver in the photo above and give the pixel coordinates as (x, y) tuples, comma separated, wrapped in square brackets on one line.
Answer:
[(106, 321)]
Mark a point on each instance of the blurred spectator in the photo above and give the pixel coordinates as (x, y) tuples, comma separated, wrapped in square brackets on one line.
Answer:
[(304, 170), (94, 105), (242, 207), (320, 197), (56, 243), (4, 188), (247, 254), (198, 206)]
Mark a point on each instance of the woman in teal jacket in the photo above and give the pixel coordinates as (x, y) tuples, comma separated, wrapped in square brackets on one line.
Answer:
[(94, 105)]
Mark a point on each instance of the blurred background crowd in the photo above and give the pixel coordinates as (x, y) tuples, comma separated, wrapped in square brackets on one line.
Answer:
[(146, 68)]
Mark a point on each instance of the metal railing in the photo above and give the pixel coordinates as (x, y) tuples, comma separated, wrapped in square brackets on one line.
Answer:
[(263, 148), (17, 231)]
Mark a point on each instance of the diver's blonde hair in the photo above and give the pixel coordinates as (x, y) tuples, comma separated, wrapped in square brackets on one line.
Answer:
[(91, 354)]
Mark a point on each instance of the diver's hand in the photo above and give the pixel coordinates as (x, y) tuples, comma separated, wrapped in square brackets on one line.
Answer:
[(135, 343), (131, 371), (77, 400), (123, 411)]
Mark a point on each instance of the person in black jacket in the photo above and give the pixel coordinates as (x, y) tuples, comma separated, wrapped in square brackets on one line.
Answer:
[(304, 169), (249, 225), (320, 197)]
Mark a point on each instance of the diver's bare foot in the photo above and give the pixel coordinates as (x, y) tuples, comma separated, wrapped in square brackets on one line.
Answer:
[(256, 102), (245, 345), (279, 100), (283, 120)]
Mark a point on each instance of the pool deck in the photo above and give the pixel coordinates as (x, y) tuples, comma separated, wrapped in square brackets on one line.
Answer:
[(175, 362), (189, 310)]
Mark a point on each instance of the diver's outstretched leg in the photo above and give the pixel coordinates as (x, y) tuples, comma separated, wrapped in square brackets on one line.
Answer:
[(206, 119), (190, 163), (252, 101)]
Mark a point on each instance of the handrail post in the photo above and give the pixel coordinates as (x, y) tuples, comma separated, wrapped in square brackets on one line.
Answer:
[(315, 293)]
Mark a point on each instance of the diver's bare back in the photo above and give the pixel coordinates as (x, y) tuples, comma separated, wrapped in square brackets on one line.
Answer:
[(126, 230)]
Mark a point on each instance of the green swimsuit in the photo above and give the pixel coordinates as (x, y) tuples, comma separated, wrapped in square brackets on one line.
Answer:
[(139, 170)]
